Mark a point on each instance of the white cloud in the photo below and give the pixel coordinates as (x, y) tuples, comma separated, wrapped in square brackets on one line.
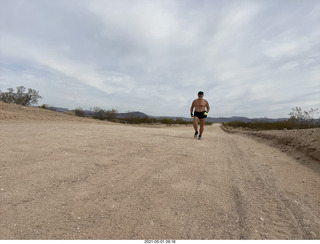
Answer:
[(154, 56)]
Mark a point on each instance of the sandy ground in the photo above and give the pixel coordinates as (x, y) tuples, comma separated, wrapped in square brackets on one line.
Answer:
[(95, 180), (297, 143)]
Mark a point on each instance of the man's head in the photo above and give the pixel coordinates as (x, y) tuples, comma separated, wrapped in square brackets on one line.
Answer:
[(200, 94)]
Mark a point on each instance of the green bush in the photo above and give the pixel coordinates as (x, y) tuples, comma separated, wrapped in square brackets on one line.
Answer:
[(21, 96), (44, 106)]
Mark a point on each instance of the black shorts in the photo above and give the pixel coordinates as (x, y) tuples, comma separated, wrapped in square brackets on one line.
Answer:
[(200, 115)]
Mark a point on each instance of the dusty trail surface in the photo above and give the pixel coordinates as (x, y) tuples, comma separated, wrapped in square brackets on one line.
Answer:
[(78, 180)]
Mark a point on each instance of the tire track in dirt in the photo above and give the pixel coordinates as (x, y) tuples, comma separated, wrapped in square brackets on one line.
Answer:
[(261, 198)]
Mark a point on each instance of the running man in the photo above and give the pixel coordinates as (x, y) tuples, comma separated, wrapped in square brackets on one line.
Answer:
[(200, 114)]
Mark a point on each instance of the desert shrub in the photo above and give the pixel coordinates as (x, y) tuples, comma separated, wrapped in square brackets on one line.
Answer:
[(167, 121), (303, 119), (261, 125), (299, 119), (44, 106), (102, 114), (98, 113), (21, 96), (79, 112), (139, 120), (111, 114), (72, 113), (181, 121), (150, 120)]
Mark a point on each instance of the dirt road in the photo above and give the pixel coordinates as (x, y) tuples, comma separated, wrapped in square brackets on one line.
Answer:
[(77, 180)]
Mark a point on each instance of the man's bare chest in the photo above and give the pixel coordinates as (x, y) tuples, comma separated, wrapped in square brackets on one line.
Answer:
[(200, 103)]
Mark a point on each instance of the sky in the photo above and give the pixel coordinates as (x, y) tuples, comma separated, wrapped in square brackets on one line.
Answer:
[(253, 58)]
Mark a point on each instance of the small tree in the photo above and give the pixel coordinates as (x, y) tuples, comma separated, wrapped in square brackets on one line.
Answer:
[(20, 96)]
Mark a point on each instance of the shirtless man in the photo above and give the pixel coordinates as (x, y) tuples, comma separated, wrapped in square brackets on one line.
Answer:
[(201, 110)]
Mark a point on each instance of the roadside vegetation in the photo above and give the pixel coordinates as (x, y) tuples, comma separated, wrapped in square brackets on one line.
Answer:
[(150, 120), (111, 115), (30, 97), (298, 119), (21, 96)]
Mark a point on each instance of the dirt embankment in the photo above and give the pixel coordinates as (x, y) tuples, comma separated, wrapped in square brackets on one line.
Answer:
[(298, 142), (14, 112)]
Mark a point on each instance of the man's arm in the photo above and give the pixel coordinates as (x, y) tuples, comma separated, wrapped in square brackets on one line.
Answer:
[(208, 107), (191, 109)]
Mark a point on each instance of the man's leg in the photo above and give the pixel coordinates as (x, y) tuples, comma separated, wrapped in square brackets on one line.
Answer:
[(195, 126), (195, 123), (202, 122)]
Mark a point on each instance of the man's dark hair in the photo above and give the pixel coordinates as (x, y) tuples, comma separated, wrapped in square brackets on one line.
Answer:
[(200, 93)]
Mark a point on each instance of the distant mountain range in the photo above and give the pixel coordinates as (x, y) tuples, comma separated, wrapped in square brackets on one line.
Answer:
[(131, 115), (137, 114)]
